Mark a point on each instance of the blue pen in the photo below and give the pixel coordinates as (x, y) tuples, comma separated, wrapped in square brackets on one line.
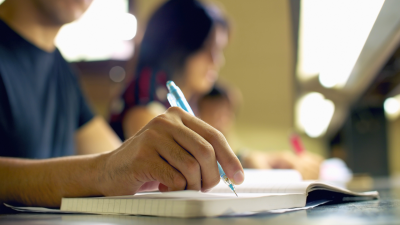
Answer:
[(176, 98)]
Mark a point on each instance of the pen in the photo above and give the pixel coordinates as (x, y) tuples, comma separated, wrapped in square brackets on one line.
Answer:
[(176, 98), (296, 143)]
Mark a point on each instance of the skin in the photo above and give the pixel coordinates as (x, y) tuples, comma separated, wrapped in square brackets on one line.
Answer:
[(183, 157), (200, 73)]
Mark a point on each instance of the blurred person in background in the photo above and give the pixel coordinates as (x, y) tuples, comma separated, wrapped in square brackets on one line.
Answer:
[(45, 120), (219, 108), (184, 42)]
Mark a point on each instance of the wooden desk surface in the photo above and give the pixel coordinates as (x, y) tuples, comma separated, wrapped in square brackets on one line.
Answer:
[(384, 211)]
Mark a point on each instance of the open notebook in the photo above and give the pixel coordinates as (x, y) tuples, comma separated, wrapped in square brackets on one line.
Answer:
[(220, 201), (254, 196)]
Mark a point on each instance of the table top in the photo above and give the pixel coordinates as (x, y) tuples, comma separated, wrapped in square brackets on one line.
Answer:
[(383, 211)]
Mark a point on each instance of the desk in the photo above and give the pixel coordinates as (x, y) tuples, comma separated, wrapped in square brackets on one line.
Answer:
[(384, 211)]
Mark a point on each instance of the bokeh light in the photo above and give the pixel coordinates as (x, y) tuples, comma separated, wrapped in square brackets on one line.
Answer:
[(314, 113), (117, 74), (392, 107)]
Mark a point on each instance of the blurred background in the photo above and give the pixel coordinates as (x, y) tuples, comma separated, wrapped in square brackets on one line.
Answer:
[(328, 70)]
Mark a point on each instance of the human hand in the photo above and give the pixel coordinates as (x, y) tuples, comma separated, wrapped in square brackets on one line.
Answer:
[(308, 164), (174, 151)]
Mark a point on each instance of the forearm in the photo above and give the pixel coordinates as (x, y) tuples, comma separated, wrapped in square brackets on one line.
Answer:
[(45, 182), (96, 136)]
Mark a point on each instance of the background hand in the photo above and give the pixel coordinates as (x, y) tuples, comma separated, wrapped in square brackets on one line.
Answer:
[(308, 164)]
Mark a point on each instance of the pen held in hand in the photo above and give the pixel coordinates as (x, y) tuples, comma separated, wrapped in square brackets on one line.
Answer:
[(177, 99)]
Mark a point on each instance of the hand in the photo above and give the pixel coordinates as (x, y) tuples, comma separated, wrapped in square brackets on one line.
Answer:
[(175, 151), (308, 164)]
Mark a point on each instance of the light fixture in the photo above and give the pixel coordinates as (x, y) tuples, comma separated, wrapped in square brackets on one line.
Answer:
[(392, 107), (314, 113), (332, 35)]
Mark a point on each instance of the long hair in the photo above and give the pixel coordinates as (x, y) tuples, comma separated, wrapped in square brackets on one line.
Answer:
[(175, 31)]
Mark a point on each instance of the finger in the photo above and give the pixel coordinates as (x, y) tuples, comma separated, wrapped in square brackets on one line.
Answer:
[(162, 188), (164, 173), (202, 151), (224, 154), (149, 186), (170, 125), (180, 159)]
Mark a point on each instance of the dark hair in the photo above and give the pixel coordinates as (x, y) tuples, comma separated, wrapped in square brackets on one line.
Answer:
[(176, 30)]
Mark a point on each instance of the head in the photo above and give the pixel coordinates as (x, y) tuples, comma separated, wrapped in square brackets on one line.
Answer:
[(186, 38), (218, 107), (60, 12)]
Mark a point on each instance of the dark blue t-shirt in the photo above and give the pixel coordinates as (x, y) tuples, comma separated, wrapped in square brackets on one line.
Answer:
[(41, 104)]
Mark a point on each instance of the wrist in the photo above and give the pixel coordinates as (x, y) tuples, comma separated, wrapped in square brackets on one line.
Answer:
[(100, 173)]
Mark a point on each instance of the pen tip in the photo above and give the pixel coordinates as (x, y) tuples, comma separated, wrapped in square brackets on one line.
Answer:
[(235, 193)]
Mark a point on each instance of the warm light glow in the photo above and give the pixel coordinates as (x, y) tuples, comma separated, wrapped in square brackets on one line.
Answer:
[(392, 107), (1, 1), (101, 33), (314, 114), (332, 35)]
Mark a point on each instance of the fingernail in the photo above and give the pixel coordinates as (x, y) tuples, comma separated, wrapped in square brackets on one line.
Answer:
[(238, 178)]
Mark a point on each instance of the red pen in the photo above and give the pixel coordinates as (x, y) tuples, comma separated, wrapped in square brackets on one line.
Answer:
[(296, 143)]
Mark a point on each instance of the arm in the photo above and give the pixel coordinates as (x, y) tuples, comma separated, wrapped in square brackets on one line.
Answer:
[(45, 182), (183, 157), (136, 118), (96, 136)]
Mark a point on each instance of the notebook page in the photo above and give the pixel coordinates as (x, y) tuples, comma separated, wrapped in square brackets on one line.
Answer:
[(281, 187), (187, 194)]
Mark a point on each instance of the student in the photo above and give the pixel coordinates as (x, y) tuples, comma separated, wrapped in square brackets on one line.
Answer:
[(44, 115), (219, 107), (183, 42), (188, 49)]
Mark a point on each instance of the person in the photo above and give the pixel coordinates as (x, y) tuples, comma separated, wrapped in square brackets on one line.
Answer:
[(188, 49), (183, 42), (45, 121), (219, 108)]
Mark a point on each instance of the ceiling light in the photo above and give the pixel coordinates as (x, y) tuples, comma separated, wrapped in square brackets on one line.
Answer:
[(332, 35)]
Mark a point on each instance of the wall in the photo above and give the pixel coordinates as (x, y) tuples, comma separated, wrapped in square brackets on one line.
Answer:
[(394, 146)]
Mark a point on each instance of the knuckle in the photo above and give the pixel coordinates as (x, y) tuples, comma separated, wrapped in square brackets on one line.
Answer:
[(179, 182), (207, 150), (215, 135), (219, 136), (192, 166), (211, 182), (161, 119), (174, 110)]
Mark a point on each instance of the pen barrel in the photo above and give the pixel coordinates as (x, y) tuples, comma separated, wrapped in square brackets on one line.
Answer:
[(179, 98)]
